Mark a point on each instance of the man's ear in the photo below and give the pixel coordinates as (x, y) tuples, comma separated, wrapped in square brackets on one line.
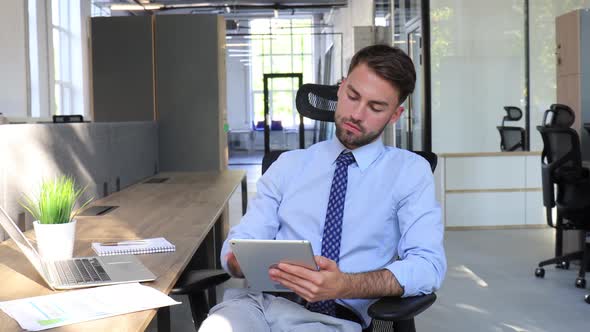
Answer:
[(341, 86), (396, 114)]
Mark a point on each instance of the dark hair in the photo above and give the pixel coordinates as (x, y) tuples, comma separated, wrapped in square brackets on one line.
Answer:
[(391, 64)]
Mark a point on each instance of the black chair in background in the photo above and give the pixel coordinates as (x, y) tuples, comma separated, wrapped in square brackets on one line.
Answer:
[(561, 169), (511, 138)]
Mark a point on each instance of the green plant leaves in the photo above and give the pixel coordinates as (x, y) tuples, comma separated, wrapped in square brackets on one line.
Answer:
[(56, 201)]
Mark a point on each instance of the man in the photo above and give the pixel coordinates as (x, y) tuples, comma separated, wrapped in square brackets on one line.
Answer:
[(384, 240)]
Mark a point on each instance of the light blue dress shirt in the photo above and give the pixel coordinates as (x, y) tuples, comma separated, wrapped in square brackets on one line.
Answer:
[(391, 217)]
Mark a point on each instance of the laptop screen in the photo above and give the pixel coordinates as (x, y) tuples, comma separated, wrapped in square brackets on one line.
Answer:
[(21, 241)]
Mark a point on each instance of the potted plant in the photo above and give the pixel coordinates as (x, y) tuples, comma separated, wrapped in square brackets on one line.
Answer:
[(53, 212)]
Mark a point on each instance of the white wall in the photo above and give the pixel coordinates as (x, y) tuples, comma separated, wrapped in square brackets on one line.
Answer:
[(13, 58), (358, 13), (238, 99)]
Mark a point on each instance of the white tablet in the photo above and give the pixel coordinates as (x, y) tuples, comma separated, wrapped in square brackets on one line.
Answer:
[(257, 256)]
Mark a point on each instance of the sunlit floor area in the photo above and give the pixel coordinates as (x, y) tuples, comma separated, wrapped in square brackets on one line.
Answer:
[(490, 284)]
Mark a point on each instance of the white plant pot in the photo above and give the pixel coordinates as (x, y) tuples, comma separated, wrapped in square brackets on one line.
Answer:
[(55, 241)]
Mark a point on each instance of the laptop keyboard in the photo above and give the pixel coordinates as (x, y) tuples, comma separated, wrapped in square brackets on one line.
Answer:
[(81, 271)]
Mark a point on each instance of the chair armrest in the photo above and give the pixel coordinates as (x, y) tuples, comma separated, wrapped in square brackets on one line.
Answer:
[(395, 309), (198, 280)]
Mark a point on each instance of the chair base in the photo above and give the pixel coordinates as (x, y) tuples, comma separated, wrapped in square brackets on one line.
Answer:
[(563, 262)]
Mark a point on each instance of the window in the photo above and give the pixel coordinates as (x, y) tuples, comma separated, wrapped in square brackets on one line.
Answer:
[(61, 38), (58, 60), (98, 10), (280, 46)]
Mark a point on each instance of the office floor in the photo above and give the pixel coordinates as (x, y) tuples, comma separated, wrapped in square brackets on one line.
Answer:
[(245, 158), (489, 286)]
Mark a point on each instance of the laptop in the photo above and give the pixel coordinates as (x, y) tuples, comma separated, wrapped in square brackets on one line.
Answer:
[(78, 272)]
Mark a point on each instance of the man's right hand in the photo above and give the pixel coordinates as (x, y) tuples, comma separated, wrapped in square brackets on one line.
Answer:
[(233, 265)]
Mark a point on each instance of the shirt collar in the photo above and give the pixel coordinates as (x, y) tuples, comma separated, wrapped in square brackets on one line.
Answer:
[(364, 156)]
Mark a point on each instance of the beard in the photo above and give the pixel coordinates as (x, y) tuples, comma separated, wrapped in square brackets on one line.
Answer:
[(349, 139)]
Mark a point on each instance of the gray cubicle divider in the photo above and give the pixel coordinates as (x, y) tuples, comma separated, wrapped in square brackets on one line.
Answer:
[(94, 153), (175, 63), (190, 81), (122, 68)]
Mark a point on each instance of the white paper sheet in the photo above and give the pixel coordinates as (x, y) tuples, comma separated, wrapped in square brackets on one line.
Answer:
[(44, 312)]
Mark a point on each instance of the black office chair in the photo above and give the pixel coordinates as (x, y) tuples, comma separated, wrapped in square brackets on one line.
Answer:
[(318, 102), (511, 138), (561, 169)]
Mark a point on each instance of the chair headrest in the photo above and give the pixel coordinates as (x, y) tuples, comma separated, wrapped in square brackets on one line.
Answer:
[(317, 101), (559, 116), (513, 113)]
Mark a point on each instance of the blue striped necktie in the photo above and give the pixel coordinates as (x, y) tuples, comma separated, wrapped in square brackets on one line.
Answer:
[(333, 225)]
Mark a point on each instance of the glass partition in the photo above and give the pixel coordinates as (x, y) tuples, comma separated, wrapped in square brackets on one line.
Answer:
[(477, 56), (542, 55)]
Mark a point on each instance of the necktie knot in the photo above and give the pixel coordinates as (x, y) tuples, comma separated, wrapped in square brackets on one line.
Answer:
[(345, 159)]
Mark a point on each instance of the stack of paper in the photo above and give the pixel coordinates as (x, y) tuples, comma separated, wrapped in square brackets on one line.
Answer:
[(49, 311)]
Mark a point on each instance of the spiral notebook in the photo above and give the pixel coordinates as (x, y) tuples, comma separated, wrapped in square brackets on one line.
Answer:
[(134, 247)]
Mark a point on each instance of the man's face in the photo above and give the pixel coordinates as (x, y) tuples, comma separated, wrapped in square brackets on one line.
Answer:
[(366, 104)]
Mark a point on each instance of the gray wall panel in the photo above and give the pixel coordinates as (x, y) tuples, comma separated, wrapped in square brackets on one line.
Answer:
[(122, 69), (187, 55)]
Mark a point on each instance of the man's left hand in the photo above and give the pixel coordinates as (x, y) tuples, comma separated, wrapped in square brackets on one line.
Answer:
[(327, 283)]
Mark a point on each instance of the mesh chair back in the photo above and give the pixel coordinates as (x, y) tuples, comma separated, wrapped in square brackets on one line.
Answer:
[(560, 141), (511, 138), (561, 152), (317, 102), (561, 160)]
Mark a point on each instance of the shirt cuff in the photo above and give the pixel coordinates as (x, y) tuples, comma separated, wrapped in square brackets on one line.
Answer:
[(402, 270)]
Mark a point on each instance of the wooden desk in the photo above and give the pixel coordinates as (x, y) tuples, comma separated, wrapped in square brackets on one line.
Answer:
[(184, 210)]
